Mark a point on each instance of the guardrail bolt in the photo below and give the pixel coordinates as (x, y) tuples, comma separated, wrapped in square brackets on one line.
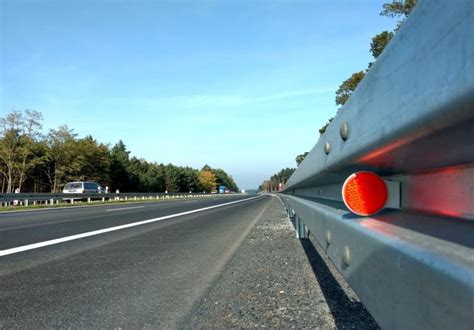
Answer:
[(328, 237), (327, 147), (346, 256), (344, 131)]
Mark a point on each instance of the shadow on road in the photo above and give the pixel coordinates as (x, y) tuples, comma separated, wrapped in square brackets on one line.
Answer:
[(347, 312)]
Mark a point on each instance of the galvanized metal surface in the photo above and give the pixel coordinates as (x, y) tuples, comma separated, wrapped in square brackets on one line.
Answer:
[(409, 270), (448, 191), (410, 120)]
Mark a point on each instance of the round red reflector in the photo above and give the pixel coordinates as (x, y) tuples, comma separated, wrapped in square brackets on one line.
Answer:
[(364, 193)]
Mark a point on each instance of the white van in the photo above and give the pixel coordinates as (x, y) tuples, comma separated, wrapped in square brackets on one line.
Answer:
[(87, 187)]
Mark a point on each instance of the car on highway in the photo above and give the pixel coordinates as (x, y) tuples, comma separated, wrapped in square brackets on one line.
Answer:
[(82, 187)]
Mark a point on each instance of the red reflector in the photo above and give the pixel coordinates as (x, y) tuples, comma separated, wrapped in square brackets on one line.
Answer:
[(364, 193)]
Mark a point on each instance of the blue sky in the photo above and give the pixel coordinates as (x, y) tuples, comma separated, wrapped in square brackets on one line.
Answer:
[(240, 85)]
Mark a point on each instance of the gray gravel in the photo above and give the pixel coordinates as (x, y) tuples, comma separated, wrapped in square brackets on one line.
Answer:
[(270, 283)]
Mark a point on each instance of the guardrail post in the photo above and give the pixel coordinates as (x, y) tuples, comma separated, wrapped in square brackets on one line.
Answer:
[(88, 199), (301, 230), (51, 200), (291, 213), (26, 202), (103, 199)]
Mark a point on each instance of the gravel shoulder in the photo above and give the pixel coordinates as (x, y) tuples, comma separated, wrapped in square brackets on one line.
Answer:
[(276, 280)]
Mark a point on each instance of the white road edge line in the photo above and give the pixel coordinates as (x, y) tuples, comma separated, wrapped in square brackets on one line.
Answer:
[(107, 230), (279, 198), (125, 208)]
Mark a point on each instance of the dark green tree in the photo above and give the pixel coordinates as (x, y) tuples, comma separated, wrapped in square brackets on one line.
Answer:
[(93, 161), (136, 170), (224, 179), (61, 159), (153, 178), (172, 178), (119, 165), (398, 8), (348, 86), (299, 159), (189, 180), (379, 42)]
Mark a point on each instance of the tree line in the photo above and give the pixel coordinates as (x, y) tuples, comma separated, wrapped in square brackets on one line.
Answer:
[(278, 180), (44, 162), (397, 8)]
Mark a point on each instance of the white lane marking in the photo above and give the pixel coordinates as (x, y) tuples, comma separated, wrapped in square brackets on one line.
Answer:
[(125, 208), (107, 230)]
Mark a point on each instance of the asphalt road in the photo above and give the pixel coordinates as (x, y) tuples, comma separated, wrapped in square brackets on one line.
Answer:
[(148, 274)]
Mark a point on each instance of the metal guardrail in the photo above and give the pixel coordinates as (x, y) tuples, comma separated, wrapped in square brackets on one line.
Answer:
[(27, 199), (411, 120)]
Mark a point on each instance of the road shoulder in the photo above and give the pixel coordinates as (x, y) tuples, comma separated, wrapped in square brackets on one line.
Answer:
[(270, 282)]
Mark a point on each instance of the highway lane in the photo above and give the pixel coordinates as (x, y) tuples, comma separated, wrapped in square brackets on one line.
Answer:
[(144, 276), (22, 228)]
